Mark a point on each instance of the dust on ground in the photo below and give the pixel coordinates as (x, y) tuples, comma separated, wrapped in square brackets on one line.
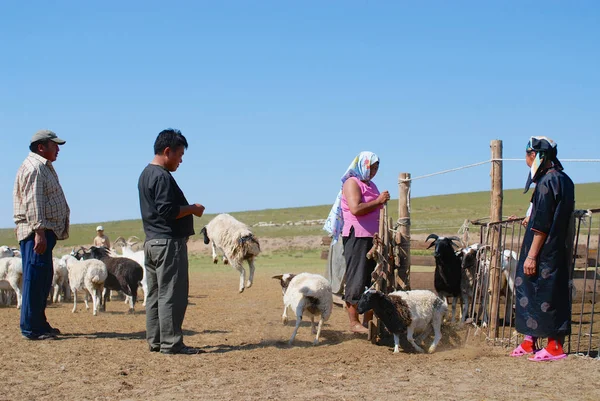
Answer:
[(246, 356)]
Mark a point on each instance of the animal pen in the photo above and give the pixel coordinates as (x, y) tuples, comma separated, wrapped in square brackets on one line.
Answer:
[(491, 314)]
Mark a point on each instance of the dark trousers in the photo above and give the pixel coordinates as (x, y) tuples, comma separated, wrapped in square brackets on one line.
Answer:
[(168, 287), (358, 267), (37, 279)]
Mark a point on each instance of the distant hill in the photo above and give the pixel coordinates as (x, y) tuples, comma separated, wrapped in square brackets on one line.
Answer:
[(441, 213)]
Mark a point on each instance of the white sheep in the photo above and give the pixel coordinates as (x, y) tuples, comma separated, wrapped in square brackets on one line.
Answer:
[(60, 282), (308, 294), (237, 243), (11, 276), (88, 275), (509, 269), (7, 252), (407, 311)]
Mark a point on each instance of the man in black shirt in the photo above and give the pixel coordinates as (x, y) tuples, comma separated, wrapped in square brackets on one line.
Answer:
[(168, 222)]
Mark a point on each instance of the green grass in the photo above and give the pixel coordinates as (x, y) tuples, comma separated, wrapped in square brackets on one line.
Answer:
[(442, 214), (277, 262)]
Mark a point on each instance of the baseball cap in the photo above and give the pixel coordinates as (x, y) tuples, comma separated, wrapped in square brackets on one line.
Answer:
[(46, 134), (99, 228)]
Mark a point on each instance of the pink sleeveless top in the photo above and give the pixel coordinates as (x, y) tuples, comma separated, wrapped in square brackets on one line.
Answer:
[(368, 224)]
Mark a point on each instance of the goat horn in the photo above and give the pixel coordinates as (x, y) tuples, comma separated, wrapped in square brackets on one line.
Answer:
[(278, 277), (119, 240), (130, 240), (434, 236)]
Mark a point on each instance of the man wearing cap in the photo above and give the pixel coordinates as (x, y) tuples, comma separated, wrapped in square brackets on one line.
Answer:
[(542, 283), (41, 214), (101, 239)]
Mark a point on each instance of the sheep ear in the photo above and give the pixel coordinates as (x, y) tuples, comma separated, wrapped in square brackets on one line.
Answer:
[(278, 277)]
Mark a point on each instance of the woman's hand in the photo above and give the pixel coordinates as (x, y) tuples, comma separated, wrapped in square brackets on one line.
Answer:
[(383, 197), (530, 266)]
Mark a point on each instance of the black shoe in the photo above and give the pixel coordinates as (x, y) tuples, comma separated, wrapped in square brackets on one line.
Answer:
[(45, 336), (54, 331), (154, 349), (185, 350)]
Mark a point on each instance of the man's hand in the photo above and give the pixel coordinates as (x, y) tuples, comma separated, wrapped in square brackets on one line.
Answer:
[(198, 210), (383, 197), (40, 244), (530, 266)]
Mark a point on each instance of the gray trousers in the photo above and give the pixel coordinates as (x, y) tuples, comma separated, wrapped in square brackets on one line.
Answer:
[(168, 286)]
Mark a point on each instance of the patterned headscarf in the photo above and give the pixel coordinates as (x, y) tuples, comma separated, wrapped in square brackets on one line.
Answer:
[(546, 150), (359, 168)]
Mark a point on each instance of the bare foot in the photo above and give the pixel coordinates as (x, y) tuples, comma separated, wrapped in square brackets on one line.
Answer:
[(359, 328)]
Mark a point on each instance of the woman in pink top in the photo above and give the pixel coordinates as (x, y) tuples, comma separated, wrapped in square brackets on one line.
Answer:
[(355, 216)]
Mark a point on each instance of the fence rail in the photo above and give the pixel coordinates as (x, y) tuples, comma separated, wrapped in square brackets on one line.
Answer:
[(491, 314)]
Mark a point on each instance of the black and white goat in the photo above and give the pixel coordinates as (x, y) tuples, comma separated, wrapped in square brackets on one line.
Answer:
[(448, 262), (410, 312), (124, 274), (237, 243), (128, 252), (309, 294)]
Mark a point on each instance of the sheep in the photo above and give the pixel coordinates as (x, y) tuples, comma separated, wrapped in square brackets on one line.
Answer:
[(447, 276), (306, 293), (11, 276), (7, 252), (60, 282), (237, 243), (128, 252), (89, 275), (412, 312), (124, 274)]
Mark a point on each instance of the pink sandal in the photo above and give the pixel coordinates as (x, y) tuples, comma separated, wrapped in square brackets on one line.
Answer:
[(520, 351), (543, 355)]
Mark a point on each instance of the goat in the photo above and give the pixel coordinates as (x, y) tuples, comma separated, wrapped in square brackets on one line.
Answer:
[(89, 275), (124, 274), (471, 256), (11, 272), (237, 243), (407, 312), (128, 252), (306, 293), (447, 277)]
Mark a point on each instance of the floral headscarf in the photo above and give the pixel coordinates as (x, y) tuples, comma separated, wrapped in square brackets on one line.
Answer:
[(359, 168), (545, 149)]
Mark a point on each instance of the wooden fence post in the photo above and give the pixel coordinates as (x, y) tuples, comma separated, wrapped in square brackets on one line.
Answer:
[(403, 236), (495, 216)]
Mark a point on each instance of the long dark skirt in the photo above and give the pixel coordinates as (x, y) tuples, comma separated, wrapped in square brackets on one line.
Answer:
[(358, 267)]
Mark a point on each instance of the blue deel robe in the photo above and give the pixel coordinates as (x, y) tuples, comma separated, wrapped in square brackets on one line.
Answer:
[(543, 306)]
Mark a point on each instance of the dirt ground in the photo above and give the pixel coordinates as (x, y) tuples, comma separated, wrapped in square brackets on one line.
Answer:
[(246, 357)]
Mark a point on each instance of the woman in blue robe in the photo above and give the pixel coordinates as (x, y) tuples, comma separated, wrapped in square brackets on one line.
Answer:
[(543, 308)]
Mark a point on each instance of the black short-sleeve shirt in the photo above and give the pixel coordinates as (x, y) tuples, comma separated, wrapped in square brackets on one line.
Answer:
[(160, 202)]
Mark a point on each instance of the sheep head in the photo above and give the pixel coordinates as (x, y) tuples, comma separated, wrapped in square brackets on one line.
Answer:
[(284, 280), (206, 239), (368, 300)]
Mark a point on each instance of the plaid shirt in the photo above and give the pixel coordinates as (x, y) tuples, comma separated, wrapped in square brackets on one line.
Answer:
[(38, 199)]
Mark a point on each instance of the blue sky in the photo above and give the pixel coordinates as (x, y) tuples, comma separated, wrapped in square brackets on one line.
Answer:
[(277, 97)]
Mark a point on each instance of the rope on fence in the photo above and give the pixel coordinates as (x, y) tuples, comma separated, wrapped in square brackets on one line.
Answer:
[(485, 162)]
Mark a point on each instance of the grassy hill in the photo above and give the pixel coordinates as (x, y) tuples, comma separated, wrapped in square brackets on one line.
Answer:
[(443, 213)]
